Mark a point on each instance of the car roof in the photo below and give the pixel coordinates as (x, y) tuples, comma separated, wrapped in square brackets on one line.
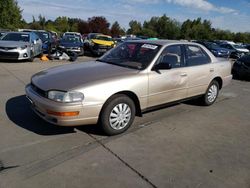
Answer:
[(162, 42), (25, 33)]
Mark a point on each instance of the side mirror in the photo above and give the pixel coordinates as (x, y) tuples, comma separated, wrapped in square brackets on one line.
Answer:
[(163, 66)]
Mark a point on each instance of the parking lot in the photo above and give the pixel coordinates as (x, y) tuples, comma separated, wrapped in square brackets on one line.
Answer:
[(185, 145)]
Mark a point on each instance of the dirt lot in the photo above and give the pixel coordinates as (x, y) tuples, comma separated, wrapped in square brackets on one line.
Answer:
[(185, 145)]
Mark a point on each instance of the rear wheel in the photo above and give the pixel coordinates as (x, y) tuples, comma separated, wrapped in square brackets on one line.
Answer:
[(117, 115), (211, 94)]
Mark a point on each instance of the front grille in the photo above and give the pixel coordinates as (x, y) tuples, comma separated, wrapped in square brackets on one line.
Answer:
[(8, 55), (104, 47), (38, 90)]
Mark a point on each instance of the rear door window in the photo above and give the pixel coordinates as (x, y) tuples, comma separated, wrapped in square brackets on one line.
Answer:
[(195, 55)]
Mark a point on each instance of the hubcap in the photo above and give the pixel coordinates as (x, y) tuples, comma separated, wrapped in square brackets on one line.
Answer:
[(120, 116), (212, 93)]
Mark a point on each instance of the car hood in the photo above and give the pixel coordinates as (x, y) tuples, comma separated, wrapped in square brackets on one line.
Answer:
[(73, 76), (12, 44), (221, 49), (242, 50), (103, 42), (71, 44)]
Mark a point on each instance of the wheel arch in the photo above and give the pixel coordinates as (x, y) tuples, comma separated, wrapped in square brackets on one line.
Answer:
[(219, 80), (132, 96)]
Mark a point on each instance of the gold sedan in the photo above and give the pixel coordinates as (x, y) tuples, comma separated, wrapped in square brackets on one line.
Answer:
[(132, 78)]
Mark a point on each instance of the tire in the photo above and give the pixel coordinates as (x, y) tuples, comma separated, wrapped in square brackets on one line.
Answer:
[(117, 115), (211, 94), (31, 59)]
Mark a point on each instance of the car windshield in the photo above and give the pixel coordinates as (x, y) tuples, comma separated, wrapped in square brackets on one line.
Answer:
[(100, 37), (16, 37), (71, 39), (131, 55)]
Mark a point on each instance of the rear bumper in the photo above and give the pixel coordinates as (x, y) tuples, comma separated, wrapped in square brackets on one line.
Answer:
[(41, 106)]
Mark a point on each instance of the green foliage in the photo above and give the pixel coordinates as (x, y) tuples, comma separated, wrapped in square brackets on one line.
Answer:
[(116, 30), (10, 14), (135, 27), (196, 29), (161, 27)]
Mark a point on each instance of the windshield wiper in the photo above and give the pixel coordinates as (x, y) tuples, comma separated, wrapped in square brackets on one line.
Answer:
[(120, 64)]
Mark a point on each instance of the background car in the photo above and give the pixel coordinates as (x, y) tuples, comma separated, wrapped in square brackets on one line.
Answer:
[(20, 46), (247, 46), (241, 68), (238, 49), (217, 50), (48, 42), (76, 34), (72, 43), (98, 43)]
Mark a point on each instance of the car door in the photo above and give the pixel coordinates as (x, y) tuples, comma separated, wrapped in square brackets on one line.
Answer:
[(38, 44), (198, 68), (168, 85)]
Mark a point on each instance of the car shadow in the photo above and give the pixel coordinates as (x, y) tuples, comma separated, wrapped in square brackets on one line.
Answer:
[(13, 61), (19, 112)]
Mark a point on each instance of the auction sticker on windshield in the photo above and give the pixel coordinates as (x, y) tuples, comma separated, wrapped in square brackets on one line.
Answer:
[(149, 46)]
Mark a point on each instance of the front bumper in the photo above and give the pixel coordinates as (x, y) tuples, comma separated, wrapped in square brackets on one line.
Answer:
[(14, 54), (100, 49), (41, 105)]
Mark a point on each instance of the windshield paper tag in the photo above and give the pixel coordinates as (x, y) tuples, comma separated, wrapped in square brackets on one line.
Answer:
[(149, 46)]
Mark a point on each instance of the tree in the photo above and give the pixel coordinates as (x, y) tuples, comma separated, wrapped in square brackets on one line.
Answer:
[(161, 27), (116, 30), (135, 28), (42, 21), (61, 24), (197, 29), (10, 14), (99, 24), (83, 27), (73, 24)]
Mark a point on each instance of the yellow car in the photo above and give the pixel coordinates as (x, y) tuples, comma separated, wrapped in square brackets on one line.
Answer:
[(98, 43)]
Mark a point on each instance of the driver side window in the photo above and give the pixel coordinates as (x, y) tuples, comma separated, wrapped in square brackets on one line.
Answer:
[(171, 55)]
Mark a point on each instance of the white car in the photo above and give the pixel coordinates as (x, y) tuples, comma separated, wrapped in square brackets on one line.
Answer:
[(20, 46)]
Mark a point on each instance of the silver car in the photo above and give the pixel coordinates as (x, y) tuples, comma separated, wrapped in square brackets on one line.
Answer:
[(20, 46), (132, 78)]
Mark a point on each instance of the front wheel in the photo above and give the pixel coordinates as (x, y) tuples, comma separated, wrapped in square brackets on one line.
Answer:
[(117, 115), (211, 94), (31, 59)]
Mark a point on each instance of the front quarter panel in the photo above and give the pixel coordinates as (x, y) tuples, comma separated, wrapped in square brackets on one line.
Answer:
[(99, 93)]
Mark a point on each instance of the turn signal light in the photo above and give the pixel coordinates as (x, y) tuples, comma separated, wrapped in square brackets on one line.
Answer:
[(74, 113)]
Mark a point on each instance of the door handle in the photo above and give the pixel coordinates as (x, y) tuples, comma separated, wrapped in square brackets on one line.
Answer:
[(212, 70), (183, 74)]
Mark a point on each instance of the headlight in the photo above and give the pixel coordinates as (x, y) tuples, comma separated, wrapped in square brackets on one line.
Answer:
[(62, 96), (23, 47)]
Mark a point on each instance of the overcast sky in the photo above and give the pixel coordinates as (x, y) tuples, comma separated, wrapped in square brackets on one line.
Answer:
[(224, 14)]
